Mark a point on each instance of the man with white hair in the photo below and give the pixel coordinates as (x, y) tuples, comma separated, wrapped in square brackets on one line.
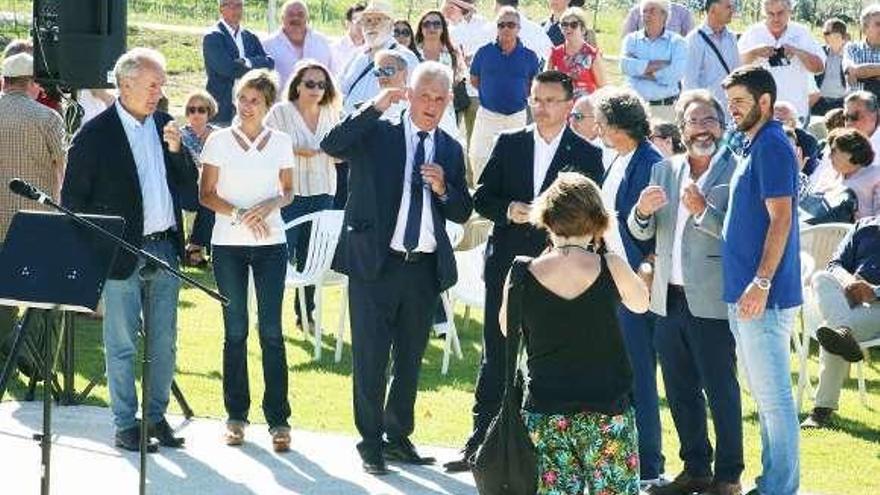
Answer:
[(654, 60), (230, 51), (128, 161), (358, 82), (785, 48), (407, 180), (861, 59), (680, 20), (785, 112), (296, 40)]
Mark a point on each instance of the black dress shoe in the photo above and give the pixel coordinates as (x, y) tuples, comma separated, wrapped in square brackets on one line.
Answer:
[(403, 450), (163, 432), (819, 417), (372, 462), (461, 465), (840, 341), (130, 439)]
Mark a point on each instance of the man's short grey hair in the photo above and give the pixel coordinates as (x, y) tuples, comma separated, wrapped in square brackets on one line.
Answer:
[(869, 12), (395, 55), (697, 96), (434, 71), (765, 3), (663, 4), (505, 11), (288, 3), (866, 98), (135, 60)]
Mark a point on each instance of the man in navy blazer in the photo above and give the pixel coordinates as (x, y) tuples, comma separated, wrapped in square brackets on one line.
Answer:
[(523, 163), (407, 180), (230, 51), (128, 162)]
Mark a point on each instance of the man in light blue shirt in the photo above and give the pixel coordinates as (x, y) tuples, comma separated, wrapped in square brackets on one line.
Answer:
[(654, 59), (705, 68)]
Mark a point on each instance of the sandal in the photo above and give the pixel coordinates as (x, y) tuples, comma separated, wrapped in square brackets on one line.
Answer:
[(234, 435), (281, 439), (195, 257)]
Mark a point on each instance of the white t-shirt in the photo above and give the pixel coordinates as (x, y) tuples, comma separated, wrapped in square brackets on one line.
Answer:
[(249, 174), (610, 186), (791, 80)]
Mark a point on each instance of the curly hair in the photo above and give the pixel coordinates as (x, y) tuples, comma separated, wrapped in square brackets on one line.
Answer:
[(623, 109)]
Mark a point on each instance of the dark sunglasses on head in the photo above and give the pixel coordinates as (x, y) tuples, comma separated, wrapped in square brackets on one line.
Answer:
[(315, 84), (432, 24), (386, 71), (508, 25), (402, 32), (196, 110), (571, 25)]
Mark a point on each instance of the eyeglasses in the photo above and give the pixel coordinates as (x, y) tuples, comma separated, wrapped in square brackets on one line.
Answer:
[(314, 84), (402, 32), (570, 25), (659, 136), (704, 122), (432, 24), (534, 102), (578, 116), (386, 71), (508, 25), (852, 117), (190, 110)]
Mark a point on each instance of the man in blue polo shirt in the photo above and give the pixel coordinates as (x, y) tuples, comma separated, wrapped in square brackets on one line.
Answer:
[(502, 72), (761, 270)]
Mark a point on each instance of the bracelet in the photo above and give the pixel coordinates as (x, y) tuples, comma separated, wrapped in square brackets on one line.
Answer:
[(237, 213)]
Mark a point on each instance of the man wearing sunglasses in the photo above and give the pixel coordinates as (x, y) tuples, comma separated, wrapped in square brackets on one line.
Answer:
[(296, 40), (861, 112)]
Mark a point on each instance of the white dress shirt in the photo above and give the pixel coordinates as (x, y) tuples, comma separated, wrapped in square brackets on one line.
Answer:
[(149, 158), (427, 241), (676, 276), (613, 179), (239, 41), (543, 157)]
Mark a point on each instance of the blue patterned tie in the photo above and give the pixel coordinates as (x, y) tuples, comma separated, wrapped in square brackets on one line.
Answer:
[(414, 215)]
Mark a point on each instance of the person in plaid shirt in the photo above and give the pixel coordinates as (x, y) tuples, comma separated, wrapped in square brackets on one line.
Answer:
[(861, 60)]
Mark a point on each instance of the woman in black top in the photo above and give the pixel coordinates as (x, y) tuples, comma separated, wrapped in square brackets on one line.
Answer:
[(577, 406)]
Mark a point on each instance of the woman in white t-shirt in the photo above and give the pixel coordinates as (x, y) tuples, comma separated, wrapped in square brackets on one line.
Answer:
[(309, 109), (247, 177)]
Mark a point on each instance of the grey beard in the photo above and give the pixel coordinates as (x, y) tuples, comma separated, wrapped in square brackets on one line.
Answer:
[(700, 150)]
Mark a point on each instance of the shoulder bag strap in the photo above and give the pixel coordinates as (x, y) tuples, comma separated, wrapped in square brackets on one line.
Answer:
[(714, 49)]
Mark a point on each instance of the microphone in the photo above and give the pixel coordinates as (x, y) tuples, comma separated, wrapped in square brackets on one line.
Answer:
[(25, 189)]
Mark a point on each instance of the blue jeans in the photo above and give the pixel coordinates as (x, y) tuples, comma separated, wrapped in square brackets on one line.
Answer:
[(298, 239), (763, 349), (122, 320), (231, 266)]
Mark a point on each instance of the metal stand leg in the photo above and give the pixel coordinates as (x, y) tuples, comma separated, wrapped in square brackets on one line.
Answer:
[(46, 440)]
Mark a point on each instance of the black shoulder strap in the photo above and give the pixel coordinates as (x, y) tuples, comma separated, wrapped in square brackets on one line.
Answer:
[(363, 73), (514, 320), (714, 49)]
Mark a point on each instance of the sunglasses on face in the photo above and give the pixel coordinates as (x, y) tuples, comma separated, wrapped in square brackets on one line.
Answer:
[(570, 25), (432, 24), (508, 25), (402, 32), (190, 110), (386, 71), (315, 84), (852, 117)]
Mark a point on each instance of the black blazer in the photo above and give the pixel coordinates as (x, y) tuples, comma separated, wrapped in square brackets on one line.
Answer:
[(102, 178), (509, 176), (376, 152)]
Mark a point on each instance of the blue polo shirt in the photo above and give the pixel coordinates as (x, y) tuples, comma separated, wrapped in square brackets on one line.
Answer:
[(768, 170), (504, 78)]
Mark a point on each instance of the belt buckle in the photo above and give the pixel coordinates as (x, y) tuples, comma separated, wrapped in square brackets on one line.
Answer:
[(410, 256)]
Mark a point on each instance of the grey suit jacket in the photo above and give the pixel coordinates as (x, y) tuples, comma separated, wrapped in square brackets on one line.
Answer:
[(701, 243)]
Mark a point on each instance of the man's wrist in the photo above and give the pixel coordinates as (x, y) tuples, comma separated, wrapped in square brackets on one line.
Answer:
[(763, 283)]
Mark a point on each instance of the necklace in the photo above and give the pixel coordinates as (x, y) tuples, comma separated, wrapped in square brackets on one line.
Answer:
[(564, 248)]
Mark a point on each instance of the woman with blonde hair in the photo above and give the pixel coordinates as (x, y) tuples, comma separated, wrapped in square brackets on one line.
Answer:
[(577, 57)]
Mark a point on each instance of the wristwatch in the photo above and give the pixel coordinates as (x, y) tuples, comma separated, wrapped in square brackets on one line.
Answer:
[(762, 283), (877, 292), (237, 213)]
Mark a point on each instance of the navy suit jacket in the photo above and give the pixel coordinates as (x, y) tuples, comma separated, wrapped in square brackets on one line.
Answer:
[(101, 178), (509, 176), (376, 152), (638, 175), (220, 53)]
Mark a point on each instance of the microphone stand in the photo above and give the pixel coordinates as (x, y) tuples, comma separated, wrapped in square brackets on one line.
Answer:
[(147, 273)]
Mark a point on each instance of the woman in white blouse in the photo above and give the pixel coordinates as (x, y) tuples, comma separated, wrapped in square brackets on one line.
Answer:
[(247, 177), (307, 112)]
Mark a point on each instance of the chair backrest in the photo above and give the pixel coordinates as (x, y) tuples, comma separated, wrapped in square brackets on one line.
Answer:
[(325, 229), (470, 287), (455, 232), (820, 241)]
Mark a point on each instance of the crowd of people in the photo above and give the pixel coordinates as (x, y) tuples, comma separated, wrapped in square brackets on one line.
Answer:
[(660, 217)]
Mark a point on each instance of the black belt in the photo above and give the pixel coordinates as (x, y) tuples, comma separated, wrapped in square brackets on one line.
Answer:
[(665, 101), (169, 234), (409, 257)]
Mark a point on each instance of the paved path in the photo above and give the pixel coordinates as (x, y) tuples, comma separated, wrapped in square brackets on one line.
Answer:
[(84, 461)]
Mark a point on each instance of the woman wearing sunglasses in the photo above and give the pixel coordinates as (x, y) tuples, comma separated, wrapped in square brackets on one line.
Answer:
[(403, 34), (200, 109), (433, 43), (308, 111), (576, 57)]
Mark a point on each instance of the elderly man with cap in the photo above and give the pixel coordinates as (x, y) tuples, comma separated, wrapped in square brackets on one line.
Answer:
[(296, 40)]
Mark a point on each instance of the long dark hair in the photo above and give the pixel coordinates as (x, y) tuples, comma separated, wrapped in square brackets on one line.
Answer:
[(299, 72), (412, 39), (444, 36)]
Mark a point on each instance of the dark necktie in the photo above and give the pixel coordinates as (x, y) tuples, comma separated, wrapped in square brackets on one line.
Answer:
[(414, 215)]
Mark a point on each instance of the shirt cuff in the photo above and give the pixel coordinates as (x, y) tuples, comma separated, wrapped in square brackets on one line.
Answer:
[(248, 63), (698, 219)]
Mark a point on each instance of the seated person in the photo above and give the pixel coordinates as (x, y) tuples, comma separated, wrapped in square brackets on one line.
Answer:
[(851, 158), (803, 179), (786, 113), (847, 294)]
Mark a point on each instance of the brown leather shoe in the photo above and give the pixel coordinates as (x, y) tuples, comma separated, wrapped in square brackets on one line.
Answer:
[(724, 488), (234, 435), (683, 484), (281, 439)]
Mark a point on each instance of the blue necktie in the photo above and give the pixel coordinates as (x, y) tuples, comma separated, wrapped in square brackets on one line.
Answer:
[(414, 215)]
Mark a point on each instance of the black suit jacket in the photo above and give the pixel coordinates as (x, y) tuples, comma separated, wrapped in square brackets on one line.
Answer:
[(509, 176), (376, 152), (102, 178)]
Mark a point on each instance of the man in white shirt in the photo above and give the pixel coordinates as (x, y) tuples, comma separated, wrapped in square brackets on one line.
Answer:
[(296, 40), (787, 49), (347, 47), (469, 31)]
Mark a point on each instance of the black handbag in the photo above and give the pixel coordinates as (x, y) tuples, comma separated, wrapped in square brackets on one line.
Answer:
[(460, 99), (506, 462), (838, 206)]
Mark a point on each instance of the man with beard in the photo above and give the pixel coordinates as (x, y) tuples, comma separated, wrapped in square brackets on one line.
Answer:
[(524, 162), (295, 41), (760, 263), (693, 340)]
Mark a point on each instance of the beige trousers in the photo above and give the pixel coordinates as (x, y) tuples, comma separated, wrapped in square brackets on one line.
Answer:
[(487, 126)]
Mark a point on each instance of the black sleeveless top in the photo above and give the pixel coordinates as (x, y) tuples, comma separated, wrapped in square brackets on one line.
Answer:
[(576, 356)]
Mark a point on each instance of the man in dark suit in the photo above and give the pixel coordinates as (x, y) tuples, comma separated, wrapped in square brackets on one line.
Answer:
[(523, 163), (407, 179), (230, 51), (128, 161)]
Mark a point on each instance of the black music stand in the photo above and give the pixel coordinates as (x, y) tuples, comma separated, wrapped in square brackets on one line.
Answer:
[(50, 263)]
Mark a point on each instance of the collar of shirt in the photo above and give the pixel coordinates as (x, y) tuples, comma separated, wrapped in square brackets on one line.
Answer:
[(706, 28), (665, 35), (235, 33), (543, 157), (767, 125), (129, 122), (412, 135)]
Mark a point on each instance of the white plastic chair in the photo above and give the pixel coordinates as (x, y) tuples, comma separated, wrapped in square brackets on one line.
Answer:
[(469, 289), (451, 344), (860, 369)]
